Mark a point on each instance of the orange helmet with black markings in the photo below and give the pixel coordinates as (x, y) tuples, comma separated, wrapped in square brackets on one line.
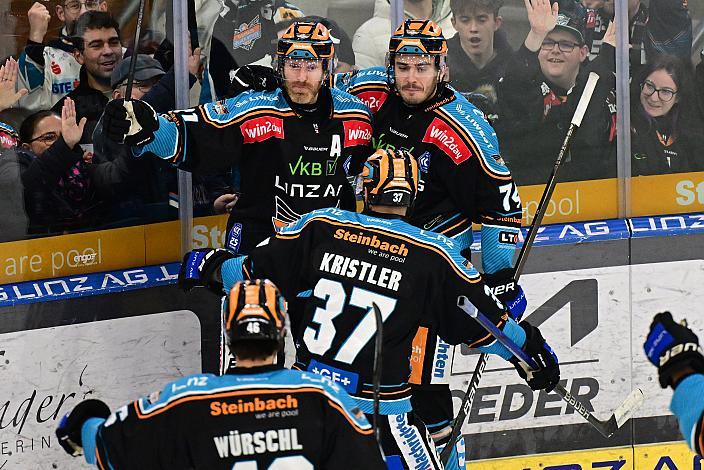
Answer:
[(417, 37), (390, 178), (256, 311), (306, 41)]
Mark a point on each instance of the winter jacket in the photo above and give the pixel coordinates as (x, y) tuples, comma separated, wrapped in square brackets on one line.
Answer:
[(90, 104), (535, 115), (465, 76), (58, 194), (371, 40)]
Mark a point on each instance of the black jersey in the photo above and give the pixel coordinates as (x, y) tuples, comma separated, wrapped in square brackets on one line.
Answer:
[(463, 180), (287, 163), (259, 418), (343, 263)]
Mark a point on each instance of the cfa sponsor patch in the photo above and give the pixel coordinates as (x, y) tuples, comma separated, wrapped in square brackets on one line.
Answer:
[(246, 34), (373, 99), (262, 128), (508, 238), (234, 238), (349, 380), (446, 139), (424, 162), (357, 132)]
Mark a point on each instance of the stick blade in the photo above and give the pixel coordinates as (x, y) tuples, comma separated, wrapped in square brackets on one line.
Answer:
[(629, 406)]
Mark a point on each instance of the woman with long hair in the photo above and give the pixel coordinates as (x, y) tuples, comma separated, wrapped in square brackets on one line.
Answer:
[(666, 131)]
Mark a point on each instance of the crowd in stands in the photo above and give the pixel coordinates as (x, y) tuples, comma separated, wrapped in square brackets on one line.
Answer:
[(61, 175)]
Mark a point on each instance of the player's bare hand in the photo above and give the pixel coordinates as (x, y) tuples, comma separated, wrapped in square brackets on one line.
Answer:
[(225, 203), (8, 82)]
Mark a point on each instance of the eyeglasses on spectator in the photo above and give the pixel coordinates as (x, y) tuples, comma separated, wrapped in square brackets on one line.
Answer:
[(47, 139), (665, 94), (75, 5), (564, 46)]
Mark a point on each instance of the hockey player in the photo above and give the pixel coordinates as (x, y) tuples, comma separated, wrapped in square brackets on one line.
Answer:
[(463, 180), (287, 147), (674, 349), (347, 263), (262, 416)]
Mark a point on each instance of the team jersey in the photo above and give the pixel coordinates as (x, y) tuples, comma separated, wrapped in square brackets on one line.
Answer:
[(463, 177), (687, 405), (288, 163), (343, 263), (261, 418)]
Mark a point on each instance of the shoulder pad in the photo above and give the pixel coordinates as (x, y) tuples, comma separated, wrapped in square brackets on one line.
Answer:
[(471, 128), (224, 111)]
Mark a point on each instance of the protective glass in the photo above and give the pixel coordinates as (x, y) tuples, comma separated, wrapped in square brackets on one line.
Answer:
[(406, 65)]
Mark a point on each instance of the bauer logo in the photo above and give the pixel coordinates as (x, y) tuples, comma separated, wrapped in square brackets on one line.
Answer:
[(262, 128), (447, 140), (357, 133), (373, 99)]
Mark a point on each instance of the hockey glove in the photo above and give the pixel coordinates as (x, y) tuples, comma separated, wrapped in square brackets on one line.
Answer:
[(69, 430), (548, 375), (131, 122), (252, 77), (507, 290), (674, 349), (201, 268)]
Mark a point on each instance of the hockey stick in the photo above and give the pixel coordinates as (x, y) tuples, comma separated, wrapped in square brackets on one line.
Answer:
[(133, 58), (607, 427), (378, 341), (473, 385)]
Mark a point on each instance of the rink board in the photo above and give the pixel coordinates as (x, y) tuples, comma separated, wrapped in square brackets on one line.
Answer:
[(60, 343), (592, 287)]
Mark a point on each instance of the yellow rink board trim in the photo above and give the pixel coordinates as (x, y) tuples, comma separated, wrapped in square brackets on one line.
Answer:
[(104, 250), (670, 456)]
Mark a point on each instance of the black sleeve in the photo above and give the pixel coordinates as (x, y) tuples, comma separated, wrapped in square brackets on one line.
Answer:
[(519, 95), (345, 443), (162, 96), (456, 326), (35, 51), (127, 441)]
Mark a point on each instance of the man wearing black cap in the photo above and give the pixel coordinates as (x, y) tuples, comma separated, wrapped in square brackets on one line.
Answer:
[(539, 92), (260, 416)]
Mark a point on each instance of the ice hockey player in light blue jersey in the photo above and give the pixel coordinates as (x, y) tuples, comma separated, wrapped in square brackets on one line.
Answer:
[(674, 349)]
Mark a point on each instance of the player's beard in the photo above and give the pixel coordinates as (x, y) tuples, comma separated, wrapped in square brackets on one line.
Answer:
[(303, 92)]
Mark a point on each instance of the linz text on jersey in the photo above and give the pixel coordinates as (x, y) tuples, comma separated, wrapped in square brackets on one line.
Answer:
[(373, 241), (362, 270), (308, 190)]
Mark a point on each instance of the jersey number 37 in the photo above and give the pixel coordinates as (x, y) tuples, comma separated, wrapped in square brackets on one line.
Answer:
[(320, 340)]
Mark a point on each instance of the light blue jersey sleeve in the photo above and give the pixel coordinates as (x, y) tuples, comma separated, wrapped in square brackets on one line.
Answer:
[(688, 406)]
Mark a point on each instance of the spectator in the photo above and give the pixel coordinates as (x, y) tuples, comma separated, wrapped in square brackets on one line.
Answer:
[(666, 132), (59, 196), (243, 34), (371, 40), (48, 84), (13, 223), (478, 53), (138, 189), (99, 53), (663, 27), (538, 95)]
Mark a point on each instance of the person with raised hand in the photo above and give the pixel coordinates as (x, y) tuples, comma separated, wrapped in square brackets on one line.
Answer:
[(8, 84)]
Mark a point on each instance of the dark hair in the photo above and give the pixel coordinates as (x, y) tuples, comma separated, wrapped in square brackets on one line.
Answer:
[(683, 111), (30, 123), (254, 349), (459, 6), (93, 19)]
